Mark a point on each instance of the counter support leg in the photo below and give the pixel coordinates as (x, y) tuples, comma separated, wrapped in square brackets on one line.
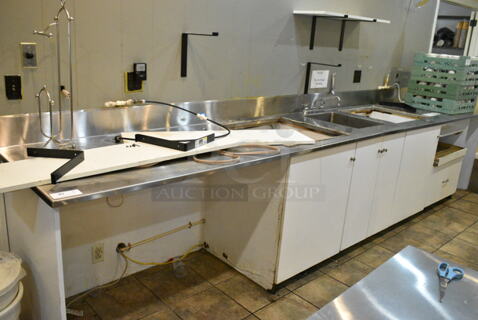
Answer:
[(35, 235)]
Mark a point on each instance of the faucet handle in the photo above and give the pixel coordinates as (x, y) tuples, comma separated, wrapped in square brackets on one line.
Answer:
[(332, 82)]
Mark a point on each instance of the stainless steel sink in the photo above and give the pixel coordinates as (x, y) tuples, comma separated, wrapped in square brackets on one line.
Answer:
[(345, 120)]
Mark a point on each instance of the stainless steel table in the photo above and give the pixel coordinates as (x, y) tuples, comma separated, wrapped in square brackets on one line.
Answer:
[(406, 287)]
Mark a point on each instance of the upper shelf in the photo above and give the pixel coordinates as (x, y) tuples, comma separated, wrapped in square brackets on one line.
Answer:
[(338, 16), (344, 17)]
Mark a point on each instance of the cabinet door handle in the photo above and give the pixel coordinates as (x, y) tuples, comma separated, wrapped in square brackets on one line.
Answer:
[(352, 159), (380, 150), (385, 150), (445, 181)]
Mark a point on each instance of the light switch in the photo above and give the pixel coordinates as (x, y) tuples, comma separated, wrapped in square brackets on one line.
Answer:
[(29, 54)]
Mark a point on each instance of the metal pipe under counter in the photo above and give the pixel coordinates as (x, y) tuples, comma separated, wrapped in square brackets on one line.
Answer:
[(98, 127)]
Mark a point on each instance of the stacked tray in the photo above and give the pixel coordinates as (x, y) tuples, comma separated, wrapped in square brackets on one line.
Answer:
[(443, 83)]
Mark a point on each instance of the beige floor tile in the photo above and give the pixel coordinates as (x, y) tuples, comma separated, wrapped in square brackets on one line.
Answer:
[(88, 312), (375, 256), (418, 236), (449, 221), (248, 294), (422, 215), (128, 300), (304, 278), (210, 268), (162, 315), (459, 194), (350, 253), (289, 307), (473, 228), (452, 258), (163, 282), (211, 304), (463, 250), (466, 206), (469, 236), (321, 291), (350, 272), (472, 197)]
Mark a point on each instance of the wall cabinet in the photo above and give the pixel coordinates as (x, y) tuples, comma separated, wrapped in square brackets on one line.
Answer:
[(312, 226), (372, 187)]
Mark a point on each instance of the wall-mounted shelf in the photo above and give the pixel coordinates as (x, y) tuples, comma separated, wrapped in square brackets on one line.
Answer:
[(334, 16)]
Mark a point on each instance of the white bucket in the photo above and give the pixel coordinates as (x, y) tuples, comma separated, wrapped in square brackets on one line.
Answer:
[(12, 312), (10, 274)]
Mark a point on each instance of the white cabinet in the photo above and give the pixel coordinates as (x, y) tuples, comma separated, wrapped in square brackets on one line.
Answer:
[(372, 187), (362, 186), (387, 176), (417, 160), (313, 218)]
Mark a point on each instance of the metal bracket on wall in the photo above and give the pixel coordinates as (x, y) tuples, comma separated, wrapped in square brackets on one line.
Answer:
[(75, 156), (334, 16), (307, 72), (184, 49)]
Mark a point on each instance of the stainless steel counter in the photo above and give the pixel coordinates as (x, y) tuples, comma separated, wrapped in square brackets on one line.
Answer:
[(406, 287), (99, 126)]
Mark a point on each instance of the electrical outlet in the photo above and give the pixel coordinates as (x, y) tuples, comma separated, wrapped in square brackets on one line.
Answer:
[(98, 253)]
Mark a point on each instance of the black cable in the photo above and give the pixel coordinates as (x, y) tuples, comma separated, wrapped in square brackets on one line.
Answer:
[(194, 113)]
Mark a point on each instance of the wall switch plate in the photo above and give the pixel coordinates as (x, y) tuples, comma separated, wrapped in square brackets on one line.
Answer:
[(357, 76), (28, 52), (98, 253), (13, 87)]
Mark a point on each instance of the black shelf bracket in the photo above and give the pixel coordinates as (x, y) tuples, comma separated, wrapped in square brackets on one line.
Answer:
[(343, 20), (75, 156), (309, 67), (184, 49)]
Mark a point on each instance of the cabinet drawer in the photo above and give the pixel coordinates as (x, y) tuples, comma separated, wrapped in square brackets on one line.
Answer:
[(443, 181), (447, 153)]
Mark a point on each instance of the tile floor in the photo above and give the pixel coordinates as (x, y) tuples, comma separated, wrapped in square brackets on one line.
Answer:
[(211, 290)]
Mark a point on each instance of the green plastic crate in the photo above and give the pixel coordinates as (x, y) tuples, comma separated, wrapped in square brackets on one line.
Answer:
[(448, 62), (442, 105), (444, 91), (464, 78)]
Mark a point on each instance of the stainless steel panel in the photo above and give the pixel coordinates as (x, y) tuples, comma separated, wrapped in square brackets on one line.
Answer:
[(406, 287)]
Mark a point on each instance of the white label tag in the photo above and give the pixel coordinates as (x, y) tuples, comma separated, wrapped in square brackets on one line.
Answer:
[(65, 194), (319, 79), (467, 62)]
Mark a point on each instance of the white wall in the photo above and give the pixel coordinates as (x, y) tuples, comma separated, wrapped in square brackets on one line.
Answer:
[(260, 51), (140, 216)]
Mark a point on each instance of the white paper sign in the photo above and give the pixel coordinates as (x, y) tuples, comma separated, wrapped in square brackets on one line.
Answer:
[(65, 194), (319, 79)]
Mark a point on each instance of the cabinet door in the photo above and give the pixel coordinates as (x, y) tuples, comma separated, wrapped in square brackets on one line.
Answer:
[(359, 207), (417, 160), (313, 221), (386, 182)]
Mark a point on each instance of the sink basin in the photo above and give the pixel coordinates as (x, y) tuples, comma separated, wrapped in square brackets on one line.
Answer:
[(385, 114), (345, 120)]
